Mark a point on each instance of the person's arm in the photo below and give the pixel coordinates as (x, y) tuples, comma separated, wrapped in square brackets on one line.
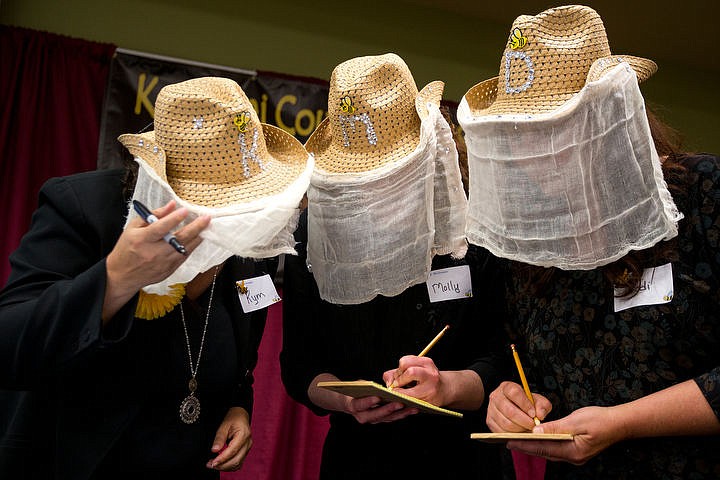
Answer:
[(457, 389), (54, 310), (51, 307), (675, 411), (303, 349), (488, 338), (474, 334), (248, 327), (233, 438), (463, 390)]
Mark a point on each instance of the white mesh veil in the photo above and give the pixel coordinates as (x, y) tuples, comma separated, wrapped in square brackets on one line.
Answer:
[(259, 229), (576, 188), (374, 233)]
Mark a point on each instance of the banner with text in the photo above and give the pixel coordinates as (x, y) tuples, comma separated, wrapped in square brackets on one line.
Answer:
[(295, 104)]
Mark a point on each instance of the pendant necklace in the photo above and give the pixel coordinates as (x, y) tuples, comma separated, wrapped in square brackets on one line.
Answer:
[(190, 406)]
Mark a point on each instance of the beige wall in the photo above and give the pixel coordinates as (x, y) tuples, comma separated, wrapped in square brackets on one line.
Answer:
[(311, 37)]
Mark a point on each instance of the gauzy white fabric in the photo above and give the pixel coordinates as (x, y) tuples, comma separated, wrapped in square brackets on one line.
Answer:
[(576, 188), (374, 233), (259, 229)]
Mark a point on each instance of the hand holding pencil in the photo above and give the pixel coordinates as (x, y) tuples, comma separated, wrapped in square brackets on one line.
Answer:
[(393, 383)]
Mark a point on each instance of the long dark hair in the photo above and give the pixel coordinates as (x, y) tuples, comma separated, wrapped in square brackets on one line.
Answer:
[(131, 172), (625, 274)]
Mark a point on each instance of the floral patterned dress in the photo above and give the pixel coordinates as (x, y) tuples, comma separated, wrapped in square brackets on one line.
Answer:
[(579, 352)]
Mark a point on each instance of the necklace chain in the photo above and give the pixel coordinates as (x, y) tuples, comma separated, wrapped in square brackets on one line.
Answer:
[(194, 369), (190, 406)]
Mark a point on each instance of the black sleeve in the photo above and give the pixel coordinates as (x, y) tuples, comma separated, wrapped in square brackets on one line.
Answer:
[(248, 327), (703, 211), (300, 358), (51, 307), (493, 362)]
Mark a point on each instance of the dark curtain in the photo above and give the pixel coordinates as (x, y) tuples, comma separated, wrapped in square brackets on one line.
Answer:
[(51, 95)]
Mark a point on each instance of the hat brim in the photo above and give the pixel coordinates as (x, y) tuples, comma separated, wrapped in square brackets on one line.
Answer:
[(143, 145), (431, 93), (287, 160), (482, 96), (332, 159), (644, 68)]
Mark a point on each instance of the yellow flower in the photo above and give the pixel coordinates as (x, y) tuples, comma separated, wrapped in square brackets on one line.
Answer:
[(151, 306)]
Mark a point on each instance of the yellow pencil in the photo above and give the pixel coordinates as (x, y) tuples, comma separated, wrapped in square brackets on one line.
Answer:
[(433, 341), (525, 385), (427, 349)]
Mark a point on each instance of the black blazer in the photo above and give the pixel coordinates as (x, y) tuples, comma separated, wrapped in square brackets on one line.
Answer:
[(64, 401)]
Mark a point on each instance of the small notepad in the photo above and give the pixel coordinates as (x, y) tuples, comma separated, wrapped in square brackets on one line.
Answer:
[(366, 388), (505, 436)]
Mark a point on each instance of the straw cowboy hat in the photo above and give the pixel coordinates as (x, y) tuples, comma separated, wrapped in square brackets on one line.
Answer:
[(210, 148), (548, 58), (374, 115), (386, 194)]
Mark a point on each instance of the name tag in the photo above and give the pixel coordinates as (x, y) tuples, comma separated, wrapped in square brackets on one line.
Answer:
[(256, 293), (449, 284), (656, 287)]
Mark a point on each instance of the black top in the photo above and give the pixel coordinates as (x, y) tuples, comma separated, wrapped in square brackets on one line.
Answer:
[(78, 395), (362, 341), (578, 351)]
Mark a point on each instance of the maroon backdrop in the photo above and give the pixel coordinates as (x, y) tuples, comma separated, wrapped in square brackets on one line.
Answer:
[(52, 90)]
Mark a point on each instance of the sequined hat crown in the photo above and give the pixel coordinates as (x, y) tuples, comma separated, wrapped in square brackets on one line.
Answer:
[(548, 58), (210, 148), (374, 115)]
